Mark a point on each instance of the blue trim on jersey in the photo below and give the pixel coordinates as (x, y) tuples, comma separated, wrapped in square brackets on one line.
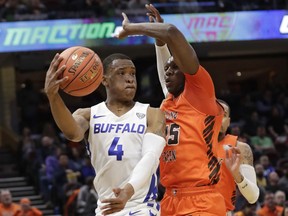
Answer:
[(152, 192)]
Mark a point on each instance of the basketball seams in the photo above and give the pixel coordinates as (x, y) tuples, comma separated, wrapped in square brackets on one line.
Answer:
[(78, 72)]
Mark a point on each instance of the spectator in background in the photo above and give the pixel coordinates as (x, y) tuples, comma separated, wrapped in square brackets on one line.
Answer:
[(87, 199), (65, 176), (268, 168), (280, 198), (248, 210), (251, 124), (276, 123), (264, 103), (87, 169), (273, 182), (11, 9), (236, 131), (27, 209), (7, 207), (283, 181), (262, 143), (36, 8), (261, 179), (270, 208)]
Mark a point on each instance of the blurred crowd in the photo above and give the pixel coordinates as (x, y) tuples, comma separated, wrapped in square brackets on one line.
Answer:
[(23, 208), (18, 10)]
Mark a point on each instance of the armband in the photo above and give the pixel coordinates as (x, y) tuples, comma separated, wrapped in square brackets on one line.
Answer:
[(248, 187), (152, 148)]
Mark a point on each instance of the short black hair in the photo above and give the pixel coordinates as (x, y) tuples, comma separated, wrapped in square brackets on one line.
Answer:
[(224, 102), (109, 59)]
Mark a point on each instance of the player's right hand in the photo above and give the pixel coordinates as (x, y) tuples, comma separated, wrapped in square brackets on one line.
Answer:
[(154, 16), (52, 81)]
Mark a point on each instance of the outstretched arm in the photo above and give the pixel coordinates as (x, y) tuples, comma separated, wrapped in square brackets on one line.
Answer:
[(152, 146), (75, 127), (241, 167), (162, 51), (183, 53)]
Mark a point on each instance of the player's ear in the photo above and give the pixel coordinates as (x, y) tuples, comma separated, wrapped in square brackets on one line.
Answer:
[(104, 80), (229, 121)]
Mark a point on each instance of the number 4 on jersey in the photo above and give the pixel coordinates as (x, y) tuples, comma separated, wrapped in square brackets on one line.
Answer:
[(116, 149)]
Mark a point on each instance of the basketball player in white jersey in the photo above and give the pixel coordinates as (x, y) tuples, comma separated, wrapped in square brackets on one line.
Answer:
[(126, 138)]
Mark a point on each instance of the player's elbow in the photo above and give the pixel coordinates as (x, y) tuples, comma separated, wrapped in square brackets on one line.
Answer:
[(74, 137), (254, 195), (172, 33)]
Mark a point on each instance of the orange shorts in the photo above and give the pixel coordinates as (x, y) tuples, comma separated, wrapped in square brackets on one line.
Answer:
[(196, 201)]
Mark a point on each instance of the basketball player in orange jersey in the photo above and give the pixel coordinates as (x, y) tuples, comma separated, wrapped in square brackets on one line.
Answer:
[(189, 168), (238, 170)]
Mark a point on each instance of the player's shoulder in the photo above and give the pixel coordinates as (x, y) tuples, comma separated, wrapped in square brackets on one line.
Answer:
[(243, 146), (246, 152), (155, 113), (85, 112)]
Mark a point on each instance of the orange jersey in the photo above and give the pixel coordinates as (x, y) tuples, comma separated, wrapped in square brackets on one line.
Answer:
[(32, 212), (189, 158), (226, 186), (9, 211)]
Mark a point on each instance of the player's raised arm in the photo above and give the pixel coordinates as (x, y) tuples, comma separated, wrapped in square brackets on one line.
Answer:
[(73, 128), (162, 51), (183, 53)]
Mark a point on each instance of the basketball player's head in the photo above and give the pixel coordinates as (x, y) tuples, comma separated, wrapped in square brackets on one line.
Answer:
[(174, 78), (226, 117), (119, 76)]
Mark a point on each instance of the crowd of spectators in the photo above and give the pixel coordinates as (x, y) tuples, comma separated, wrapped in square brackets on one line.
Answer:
[(19, 10)]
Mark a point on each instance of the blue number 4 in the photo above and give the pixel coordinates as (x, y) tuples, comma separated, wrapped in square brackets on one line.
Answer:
[(116, 149)]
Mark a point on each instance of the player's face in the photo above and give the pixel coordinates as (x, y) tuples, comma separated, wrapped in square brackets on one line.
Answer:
[(174, 78), (121, 79), (226, 119)]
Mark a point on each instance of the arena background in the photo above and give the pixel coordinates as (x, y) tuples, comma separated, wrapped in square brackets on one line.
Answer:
[(244, 46)]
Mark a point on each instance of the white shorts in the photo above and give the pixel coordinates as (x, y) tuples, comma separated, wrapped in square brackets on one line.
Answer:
[(144, 209)]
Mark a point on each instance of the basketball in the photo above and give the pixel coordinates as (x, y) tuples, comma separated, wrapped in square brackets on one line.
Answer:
[(84, 70)]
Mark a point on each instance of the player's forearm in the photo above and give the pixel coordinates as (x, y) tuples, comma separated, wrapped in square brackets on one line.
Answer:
[(248, 186), (156, 30), (152, 148), (162, 54), (64, 119)]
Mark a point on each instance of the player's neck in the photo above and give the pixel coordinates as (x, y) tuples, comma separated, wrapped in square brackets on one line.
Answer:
[(119, 108), (221, 136)]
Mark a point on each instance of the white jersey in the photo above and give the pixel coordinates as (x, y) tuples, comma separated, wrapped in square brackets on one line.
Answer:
[(115, 145)]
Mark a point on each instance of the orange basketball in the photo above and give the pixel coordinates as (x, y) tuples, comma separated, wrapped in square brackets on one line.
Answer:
[(84, 70)]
